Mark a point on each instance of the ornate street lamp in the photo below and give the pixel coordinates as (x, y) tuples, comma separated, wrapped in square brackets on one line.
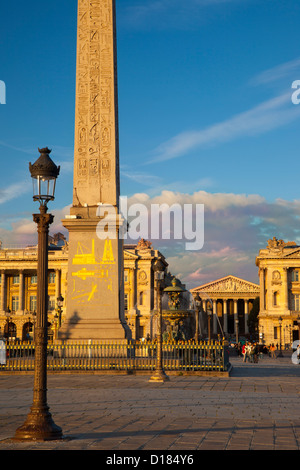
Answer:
[(197, 305), (280, 351), (60, 303), (39, 424), (159, 273)]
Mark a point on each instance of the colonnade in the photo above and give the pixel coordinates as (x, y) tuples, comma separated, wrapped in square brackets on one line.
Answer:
[(5, 299), (225, 313)]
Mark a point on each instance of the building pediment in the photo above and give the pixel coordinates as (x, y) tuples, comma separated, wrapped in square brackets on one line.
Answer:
[(129, 255), (229, 284), (293, 253)]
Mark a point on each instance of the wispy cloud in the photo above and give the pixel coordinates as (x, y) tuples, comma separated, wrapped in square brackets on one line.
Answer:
[(14, 191), (288, 69), (169, 13), (140, 177), (267, 116)]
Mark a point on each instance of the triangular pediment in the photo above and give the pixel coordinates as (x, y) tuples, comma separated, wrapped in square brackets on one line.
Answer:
[(292, 254), (129, 255), (228, 284)]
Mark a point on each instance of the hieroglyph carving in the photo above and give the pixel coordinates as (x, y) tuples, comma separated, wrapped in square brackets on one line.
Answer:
[(96, 134)]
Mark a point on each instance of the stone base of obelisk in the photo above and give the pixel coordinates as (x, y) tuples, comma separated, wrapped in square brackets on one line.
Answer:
[(95, 292)]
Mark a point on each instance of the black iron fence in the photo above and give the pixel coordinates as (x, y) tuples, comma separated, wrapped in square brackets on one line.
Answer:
[(127, 356)]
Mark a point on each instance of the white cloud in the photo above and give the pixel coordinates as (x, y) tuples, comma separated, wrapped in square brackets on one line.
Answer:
[(14, 191), (22, 231), (236, 227), (287, 69), (269, 115)]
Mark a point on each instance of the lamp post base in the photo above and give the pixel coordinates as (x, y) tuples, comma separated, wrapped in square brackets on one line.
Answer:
[(159, 377), (39, 426)]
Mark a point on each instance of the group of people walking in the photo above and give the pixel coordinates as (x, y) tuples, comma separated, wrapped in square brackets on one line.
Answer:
[(250, 352)]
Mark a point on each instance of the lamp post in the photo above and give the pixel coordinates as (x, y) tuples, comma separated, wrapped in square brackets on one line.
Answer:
[(39, 425), (280, 351), (237, 330), (60, 302), (160, 375), (197, 305)]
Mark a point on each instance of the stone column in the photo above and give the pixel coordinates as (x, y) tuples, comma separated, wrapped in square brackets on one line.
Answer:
[(3, 292), (262, 289), (246, 303), (57, 284), (21, 292), (235, 312), (285, 286), (215, 323), (132, 289), (225, 317)]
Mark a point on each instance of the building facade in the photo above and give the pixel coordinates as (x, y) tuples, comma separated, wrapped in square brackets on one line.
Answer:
[(18, 291), (279, 273), (231, 300)]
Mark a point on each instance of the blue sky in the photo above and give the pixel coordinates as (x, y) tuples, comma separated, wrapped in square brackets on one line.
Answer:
[(205, 116)]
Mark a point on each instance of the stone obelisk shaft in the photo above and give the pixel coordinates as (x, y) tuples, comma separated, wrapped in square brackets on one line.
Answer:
[(96, 153)]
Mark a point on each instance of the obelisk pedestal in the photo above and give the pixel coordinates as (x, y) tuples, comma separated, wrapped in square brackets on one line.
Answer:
[(94, 308)]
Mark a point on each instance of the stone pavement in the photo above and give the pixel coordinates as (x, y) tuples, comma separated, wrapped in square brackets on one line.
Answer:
[(256, 408)]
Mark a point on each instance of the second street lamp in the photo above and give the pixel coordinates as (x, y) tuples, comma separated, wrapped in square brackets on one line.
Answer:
[(39, 424), (160, 375), (280, 350)]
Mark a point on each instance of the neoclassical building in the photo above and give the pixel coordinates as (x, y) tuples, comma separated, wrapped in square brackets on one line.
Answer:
[(279, 273), (18, 288), (231, 299)]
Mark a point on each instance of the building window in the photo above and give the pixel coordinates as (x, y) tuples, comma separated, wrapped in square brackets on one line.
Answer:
[(126, 276), (275, 332), (33, 279), (296, 302), (275, 299), (15, 303), (33, 303), (126, 302), (295, 275), (51, 303), (16, 279), (51, 278), (141, 298)]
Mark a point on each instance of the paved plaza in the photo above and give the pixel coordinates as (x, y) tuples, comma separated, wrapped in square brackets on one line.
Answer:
[(256, 408)]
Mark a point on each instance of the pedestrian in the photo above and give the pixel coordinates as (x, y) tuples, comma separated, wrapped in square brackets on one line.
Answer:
[(255, 353), (272, 351), (244, 352)]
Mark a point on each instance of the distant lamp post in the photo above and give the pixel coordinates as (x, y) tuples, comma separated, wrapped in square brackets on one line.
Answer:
[(197, 305), (237, 330), (60, 303), (39, 425), (280, 350), (159, 273)]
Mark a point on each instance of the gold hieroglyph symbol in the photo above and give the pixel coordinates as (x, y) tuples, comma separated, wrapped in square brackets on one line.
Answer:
[(89, 295), (108, 255), (84, 258)]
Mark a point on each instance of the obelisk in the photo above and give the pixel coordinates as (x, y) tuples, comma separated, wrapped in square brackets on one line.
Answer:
[(94, 304)]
